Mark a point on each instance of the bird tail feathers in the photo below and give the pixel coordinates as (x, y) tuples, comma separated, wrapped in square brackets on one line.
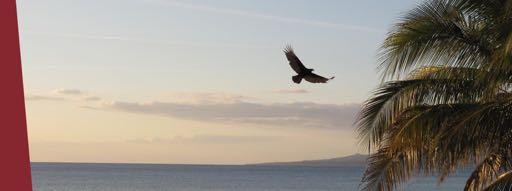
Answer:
[(297, 79)]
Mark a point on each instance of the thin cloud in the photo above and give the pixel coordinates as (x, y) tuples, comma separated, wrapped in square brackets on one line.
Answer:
[(276, 18), (207, 97), (43, 98), (63, 91), (291, 91), (300, 114), (64, 94), (207, 139), (92, 98)]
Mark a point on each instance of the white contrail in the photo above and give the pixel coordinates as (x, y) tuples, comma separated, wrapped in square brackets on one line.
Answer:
[(262, 16)]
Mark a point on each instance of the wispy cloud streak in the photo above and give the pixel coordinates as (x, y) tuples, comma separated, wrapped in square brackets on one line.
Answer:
[(263, 16), (63, 91), (208, 139), (300, 114), (43, 98), (291, 91), (63, 94)]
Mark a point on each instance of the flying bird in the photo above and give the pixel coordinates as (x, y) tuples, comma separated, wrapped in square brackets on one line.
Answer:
[(302, 71)]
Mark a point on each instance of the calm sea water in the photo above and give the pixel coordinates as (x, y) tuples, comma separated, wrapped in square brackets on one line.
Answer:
[(146, 177)]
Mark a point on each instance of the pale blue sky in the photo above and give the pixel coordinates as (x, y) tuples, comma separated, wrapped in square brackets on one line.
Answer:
[(154, 51)]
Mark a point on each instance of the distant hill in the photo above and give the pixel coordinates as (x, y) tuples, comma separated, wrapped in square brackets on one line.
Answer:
[(352, 160)]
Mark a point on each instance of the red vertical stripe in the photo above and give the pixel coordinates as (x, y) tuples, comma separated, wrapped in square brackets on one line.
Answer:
[(14, 157)]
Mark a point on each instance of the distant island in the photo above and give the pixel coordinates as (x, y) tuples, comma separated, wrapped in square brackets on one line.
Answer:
[(352, 160)]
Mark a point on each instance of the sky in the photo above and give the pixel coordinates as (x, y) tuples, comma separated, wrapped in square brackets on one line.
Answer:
[(197, 81)]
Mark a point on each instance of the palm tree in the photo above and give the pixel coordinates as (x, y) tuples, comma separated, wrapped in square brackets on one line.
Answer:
[(446, 98)]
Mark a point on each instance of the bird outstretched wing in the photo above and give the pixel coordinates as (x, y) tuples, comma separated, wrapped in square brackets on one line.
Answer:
[(314, 78), (295, 63)]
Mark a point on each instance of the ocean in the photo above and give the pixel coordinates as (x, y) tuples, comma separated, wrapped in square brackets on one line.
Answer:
[(162, 177)]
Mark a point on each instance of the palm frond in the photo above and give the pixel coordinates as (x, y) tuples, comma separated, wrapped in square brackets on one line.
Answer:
[(385, 171), (381, 110), (503, 183), (406, 146), (449, 102), (485, 172), (437, 33)]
